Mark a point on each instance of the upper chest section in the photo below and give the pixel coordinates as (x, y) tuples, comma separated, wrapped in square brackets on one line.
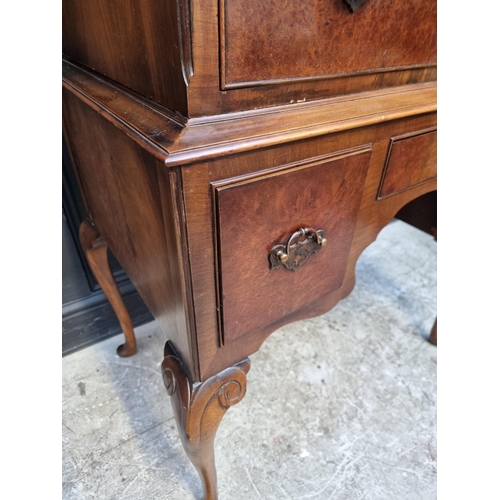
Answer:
[(216, 56)]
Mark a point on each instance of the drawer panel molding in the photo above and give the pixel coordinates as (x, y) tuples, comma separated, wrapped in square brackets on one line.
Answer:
[(266, 43), (254, 215), (411, 160)]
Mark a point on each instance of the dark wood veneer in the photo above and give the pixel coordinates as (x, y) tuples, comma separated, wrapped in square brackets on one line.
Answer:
[(96, 252), (199, 408), (130, 194), (134, 43), (192, 185), (269, 42), (255, 214), (411, 159), (177, 53)]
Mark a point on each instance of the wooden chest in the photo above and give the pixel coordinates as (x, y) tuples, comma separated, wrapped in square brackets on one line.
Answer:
[(237, 157)]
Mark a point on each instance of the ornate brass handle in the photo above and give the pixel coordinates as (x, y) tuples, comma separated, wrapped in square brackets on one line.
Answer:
[(299, 247)]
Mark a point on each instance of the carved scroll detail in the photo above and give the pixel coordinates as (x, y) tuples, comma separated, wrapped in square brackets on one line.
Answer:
[(199, 409)]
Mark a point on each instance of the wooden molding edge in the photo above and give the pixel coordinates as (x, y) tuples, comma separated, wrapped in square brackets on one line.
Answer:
[(176, 142)]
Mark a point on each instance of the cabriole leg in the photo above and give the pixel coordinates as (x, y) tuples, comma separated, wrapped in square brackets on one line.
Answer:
[(199, 409), (433, 339), (96, 251)]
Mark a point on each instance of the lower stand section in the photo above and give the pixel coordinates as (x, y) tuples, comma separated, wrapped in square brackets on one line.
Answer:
[(199, 409)]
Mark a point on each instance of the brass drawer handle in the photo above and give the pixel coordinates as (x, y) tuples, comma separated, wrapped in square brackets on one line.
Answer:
[(354, 4), (299, 247)]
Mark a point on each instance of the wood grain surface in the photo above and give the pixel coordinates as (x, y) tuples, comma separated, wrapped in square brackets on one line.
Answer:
[(96, 251), (206, 132), (212, 150), (254, 215), (133, 200), (411, 159), (137, 44), (373, 215), (178, 141), (265, 42), (199, 409), (210, 57)]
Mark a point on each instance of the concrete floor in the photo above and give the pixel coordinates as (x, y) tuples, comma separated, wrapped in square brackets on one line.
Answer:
[(339, 407)]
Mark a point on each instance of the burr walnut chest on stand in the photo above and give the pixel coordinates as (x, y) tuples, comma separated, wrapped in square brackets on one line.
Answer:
[(237, 157)]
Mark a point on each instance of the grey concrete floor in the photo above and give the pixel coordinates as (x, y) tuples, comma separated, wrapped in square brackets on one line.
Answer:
[(339, 407)]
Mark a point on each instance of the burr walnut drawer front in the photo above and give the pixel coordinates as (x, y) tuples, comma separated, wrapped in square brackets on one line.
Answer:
[(411, 160), (284, 236), (275, 41)]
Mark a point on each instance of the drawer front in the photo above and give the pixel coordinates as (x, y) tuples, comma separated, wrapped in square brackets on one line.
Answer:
[(256, 217), (411, 160), (270, 41)]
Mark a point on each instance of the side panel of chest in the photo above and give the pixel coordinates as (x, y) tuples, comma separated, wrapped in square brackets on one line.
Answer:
[(143, 45)]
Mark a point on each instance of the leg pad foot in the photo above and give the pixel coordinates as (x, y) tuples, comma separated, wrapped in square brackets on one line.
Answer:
[(199, 409)]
